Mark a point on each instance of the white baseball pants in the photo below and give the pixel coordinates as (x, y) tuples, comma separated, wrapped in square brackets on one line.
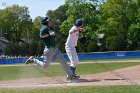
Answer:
[(72, 55)]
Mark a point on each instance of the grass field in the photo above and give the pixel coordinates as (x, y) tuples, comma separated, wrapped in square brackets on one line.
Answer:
[(89, 89), (18, 72)]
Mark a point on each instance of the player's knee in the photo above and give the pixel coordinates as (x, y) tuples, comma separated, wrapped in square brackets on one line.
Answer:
[(74, 64), (45, 66)]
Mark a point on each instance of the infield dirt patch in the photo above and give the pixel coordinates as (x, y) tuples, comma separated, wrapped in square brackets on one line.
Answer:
[(125, 76)]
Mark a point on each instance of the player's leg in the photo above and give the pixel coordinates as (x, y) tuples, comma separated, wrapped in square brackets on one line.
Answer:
[(72, 55), (45, 63), (32, 59), (60, 58), (75, 62), (29, 60), (47, 58)]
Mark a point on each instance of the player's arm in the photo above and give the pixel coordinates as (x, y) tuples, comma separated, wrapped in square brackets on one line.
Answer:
[(44, 33), (71, 32), (75, 30), (44, 36), (82, 30), (47, 32)]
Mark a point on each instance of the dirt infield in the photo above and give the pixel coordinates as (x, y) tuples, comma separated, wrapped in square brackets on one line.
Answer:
[(125, 76)]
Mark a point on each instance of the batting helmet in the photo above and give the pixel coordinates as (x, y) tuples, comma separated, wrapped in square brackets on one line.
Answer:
[(79, 22), (45, 21)]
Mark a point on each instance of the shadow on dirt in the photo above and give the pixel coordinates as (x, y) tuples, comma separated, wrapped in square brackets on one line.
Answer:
[(92, 80), (84, 80), (113, 79)]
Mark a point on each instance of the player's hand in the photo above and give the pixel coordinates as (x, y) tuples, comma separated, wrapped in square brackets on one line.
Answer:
[(52, 33), (82, 29)]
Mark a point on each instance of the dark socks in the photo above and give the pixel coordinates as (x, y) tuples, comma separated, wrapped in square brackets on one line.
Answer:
[(73, 70)]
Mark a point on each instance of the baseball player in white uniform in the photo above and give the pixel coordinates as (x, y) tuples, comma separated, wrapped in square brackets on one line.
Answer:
[(71, 43)]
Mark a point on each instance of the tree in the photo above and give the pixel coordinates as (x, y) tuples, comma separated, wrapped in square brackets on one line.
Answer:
[(85, 10), (137, 2), (40, 48), (15, 21), (24, 49), (58, 16), (134, 29), (36, 26), (115, 21), (13, 49), (33, 48)]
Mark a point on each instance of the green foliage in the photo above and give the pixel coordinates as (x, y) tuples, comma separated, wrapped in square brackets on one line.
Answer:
[(15, 21), (116, 17), (22, 19), (37, 22), (65, 27), (24, 49), (134, 36), (33, 48), (133, 32), (36, 27), (137, 2), (116, 43), (58, 16), (61, 46), (83, 10), (92, 46), (17, 49), (119, 20), (12, 49), (40, 48)]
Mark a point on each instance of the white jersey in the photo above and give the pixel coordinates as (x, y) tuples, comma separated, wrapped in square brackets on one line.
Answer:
[(72, 38)]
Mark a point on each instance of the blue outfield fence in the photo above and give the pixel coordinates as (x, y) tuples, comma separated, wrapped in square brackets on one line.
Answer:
[(12, 60), (86, 56)]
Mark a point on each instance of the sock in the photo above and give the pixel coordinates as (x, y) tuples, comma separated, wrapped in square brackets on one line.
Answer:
[(72, 69)]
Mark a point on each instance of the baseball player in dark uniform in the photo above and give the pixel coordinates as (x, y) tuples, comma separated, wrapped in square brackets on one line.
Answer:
[(50, 52)]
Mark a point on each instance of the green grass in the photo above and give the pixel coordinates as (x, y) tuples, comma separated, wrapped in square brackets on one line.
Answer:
[(18, 72), (102, 67), (89, 89)]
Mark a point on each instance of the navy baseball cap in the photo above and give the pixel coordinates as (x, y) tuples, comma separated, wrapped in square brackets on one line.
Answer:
[(45, 21), (79, 22)]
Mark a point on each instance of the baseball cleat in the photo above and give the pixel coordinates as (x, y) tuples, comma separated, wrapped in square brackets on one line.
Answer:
[(29, 60), (69, 77), (75, 76)]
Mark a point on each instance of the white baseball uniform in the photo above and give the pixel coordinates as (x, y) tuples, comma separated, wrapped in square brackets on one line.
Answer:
[(70, 46)]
